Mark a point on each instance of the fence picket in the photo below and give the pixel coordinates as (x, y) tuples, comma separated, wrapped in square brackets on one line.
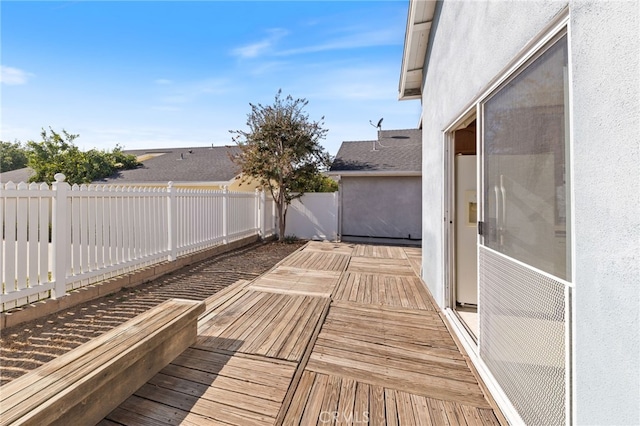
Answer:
[(21, 238), (10, 242), (92, 212), (32, 237), (99, 206), (44, 204), (60, 239), (66, 237)]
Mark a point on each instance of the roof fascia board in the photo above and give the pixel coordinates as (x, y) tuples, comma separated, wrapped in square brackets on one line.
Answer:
[(418, 26), (359, 173), (166, 183)]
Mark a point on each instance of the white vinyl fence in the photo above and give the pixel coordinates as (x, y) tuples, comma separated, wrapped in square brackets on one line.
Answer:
[(314, 216), (65, 237)]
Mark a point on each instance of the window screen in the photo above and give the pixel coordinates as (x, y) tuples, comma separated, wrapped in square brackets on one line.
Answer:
[(525, 147)]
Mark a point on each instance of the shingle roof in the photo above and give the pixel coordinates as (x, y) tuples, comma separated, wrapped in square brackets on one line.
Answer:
[(210, 164), (17, 176), (395, 150)]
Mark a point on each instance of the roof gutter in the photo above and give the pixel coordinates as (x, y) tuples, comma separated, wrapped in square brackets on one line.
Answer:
[(164, 184), (416, 43), (362, 173)]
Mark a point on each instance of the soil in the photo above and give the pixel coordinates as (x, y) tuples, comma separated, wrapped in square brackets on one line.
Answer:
[(29, 345)]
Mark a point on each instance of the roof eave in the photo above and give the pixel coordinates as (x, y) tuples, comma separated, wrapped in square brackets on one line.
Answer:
[(370, 173), (164, 183), (416, 42)]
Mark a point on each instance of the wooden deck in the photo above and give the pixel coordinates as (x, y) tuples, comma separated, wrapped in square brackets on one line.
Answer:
[(334, 334)]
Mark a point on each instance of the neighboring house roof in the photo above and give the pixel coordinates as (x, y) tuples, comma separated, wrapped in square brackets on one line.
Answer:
[(396, 152), (17, 176), (209, 164)]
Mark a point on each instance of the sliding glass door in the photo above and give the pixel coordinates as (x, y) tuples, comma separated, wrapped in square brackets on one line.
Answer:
[(524, 266)]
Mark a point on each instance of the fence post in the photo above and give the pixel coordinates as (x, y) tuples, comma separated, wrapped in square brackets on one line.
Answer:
[(336, 210), (172, 222), (225, 214), (275, 225), (262, 213), (59, 233)]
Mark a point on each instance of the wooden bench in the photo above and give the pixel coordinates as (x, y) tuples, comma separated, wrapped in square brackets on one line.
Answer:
[(84, 385)]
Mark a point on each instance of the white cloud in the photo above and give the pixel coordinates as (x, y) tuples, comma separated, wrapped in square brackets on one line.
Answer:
[(166, 108), (162, 81), (351, 38), (351, 41), (13, 76), (363, 82), (185, 93), (268, 67), (262, 47)]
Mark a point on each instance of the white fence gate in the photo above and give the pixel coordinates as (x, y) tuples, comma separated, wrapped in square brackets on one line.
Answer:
[(65, 237), (314, 216)]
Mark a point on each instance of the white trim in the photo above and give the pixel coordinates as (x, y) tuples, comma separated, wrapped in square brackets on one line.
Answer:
[(464, 119), (163, 184), (417, 22), (358, 173), (571, 408), (448, 206), (408, 37), (527, 266), (508, 410), (448, 203), (568, 355)]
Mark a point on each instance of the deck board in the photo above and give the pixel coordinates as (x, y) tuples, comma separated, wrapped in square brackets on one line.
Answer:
[(373, 349), (201, 386), (334, 334), (381, 266), (289, 280), (379, 252), (361, 402), (257, 325), (323, 246), (374, 289), (317, 260)]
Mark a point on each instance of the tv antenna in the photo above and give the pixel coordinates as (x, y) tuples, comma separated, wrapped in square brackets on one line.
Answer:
[(379, 125)]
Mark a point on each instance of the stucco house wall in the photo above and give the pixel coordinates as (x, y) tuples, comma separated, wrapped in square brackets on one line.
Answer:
[(467, 52), (381, 206), (471, 43), (606, 152)]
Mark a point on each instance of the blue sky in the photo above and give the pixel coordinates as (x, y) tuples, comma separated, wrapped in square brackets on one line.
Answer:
[(168, 74)]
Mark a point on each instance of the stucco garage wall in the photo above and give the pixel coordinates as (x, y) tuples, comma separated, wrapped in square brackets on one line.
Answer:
[(387, 207)]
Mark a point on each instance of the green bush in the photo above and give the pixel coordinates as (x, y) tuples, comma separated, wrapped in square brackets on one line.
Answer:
[(57, 153)]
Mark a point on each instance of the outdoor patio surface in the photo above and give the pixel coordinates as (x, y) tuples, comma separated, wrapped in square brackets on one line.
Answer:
[(336, 333)]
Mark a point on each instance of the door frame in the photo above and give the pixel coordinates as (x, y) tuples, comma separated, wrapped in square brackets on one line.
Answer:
[(449, 209)]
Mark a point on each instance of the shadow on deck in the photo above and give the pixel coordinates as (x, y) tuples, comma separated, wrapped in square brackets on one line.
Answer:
[(333, 334)]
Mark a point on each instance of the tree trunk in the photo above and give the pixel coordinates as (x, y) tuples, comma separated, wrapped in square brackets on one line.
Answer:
[(281, 207)]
